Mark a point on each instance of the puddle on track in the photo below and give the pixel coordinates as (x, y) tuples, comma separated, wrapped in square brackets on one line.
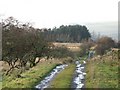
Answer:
[(46, 81), (79, 75)]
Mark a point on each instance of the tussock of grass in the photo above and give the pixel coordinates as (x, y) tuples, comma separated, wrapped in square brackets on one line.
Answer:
[(29, 78), (102, 73), (64, 78)]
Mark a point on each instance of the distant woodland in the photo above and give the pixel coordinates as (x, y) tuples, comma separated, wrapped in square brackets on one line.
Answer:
[(22, 43), (70, 33)]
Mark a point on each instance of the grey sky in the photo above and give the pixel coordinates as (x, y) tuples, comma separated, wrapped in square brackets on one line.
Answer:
[(50, 13)]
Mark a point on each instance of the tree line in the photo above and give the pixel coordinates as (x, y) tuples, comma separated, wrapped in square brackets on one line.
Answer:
[(21, 44), (70, 33)]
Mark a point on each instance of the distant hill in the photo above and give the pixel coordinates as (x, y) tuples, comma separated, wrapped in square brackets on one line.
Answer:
[(104, 28)]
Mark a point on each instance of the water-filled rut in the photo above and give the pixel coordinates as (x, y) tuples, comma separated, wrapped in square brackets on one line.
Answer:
[(46, 81), (78, 77)]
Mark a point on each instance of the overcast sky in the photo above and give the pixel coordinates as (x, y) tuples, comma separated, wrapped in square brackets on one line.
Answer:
[(50, 13)]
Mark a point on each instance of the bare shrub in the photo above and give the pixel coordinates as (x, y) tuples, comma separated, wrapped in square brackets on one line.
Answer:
[(86, 45), (103, 44)]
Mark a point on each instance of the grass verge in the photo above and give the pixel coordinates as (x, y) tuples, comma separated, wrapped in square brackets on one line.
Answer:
[(0, 85), (103, 72), (29, 78), (64, 78)]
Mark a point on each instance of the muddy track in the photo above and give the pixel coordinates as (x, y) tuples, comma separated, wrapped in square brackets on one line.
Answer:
[(78, 77), (46, 81)]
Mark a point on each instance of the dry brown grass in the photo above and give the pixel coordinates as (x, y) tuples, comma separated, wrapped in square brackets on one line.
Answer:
[(3, 66), (71, 46)]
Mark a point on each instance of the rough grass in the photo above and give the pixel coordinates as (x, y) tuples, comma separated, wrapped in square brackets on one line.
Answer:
[(64, 78), (0, 85), (75, 47), (103, 73), (0, 81), (29, 78)]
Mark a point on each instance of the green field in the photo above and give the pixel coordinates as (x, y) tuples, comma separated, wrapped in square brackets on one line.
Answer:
[(29, 78), (102, 72), (64, 78)]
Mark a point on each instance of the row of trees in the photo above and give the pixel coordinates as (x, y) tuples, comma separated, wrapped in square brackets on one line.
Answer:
[(21, 44), (70, 33)]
